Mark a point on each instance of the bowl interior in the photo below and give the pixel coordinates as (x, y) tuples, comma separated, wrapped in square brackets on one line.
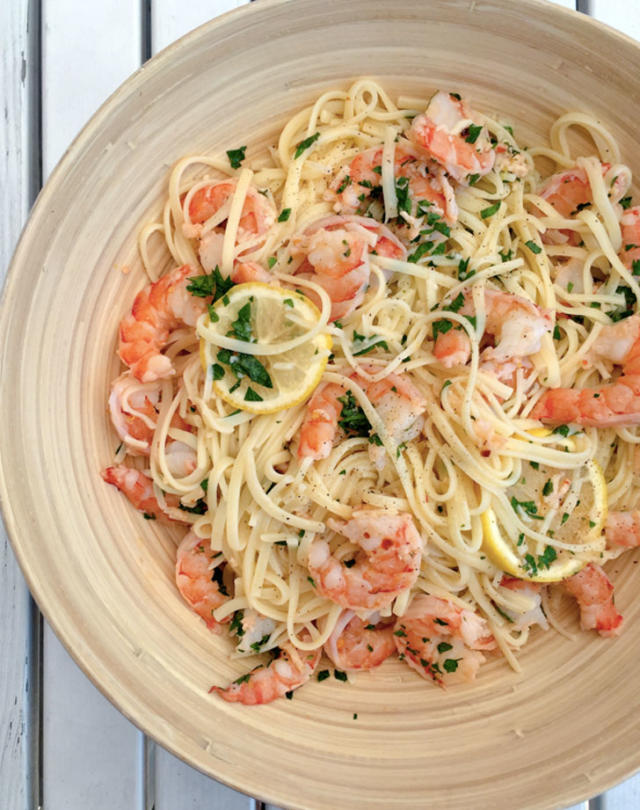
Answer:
[(104, 577)]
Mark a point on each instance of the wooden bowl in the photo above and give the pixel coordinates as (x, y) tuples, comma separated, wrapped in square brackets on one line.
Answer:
[(564, 730)]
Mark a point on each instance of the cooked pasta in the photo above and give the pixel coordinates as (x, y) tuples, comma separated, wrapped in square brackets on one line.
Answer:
[(386, 373)]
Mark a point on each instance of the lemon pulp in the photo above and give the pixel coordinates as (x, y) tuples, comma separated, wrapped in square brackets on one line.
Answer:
[(264, 347)]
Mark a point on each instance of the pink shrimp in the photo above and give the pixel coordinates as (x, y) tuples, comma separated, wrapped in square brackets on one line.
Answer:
[(139, 490), (258, 215), (199, 579), (594, 593), (569, 191), (398, 402), (623, 529), (357, 645), (336, 251), (532, 591), (320, 425), (608, 405), (630, 232), (427, 182), (292, 668), (133, 409), (516, 323), (444, 131), (442, 641), (157, 310), (387, 564)]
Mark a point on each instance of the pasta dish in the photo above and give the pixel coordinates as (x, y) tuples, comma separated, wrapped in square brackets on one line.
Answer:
[(384, 373)]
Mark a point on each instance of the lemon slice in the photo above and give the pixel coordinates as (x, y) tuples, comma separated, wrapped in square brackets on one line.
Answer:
[(548, 506), (264, 346)]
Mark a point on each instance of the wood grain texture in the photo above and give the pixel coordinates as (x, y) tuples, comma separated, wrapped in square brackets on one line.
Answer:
[(89, 750), (103, 577), (15, 607)]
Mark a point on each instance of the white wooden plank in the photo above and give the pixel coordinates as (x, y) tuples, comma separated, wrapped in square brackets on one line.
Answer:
[(16, 693), (89, 49), (91, 753), (625, 796), (621, 14), (180, 786), (171, 19)]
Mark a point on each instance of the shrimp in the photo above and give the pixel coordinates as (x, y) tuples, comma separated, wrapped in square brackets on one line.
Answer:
[(320, 425), (630, 232), (594, 593), (362, 178), (442, 641), (133, 409), (387, 563), (531, 591), (622, 529), (336, 251), (289, 670), (517, 324), (139, 490), (569, 191), (158, 309), (258, 213), (356, 644), (398, 402), (447, 132), (199, 578), (614, 404)]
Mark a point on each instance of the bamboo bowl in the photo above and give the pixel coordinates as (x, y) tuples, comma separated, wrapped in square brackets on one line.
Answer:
[(103, 576)]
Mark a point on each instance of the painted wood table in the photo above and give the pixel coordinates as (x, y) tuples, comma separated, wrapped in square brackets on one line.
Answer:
[(62, 745)]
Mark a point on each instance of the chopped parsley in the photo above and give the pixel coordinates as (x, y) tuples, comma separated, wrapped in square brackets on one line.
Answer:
[(463, 270), (444, 647), (241, 327), (533, 247), (199, 508), (252, 396), (352, 418), (451, 664), (339, 675), (473, 132), (217, 372), (236, 156), (375, 341), (344, 184), (491, 210), (402, 194), (245, 365), (323, 674), (305, 144), (284, 215), (547, 489), (625, 202), (528, 507), (544, 560)]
